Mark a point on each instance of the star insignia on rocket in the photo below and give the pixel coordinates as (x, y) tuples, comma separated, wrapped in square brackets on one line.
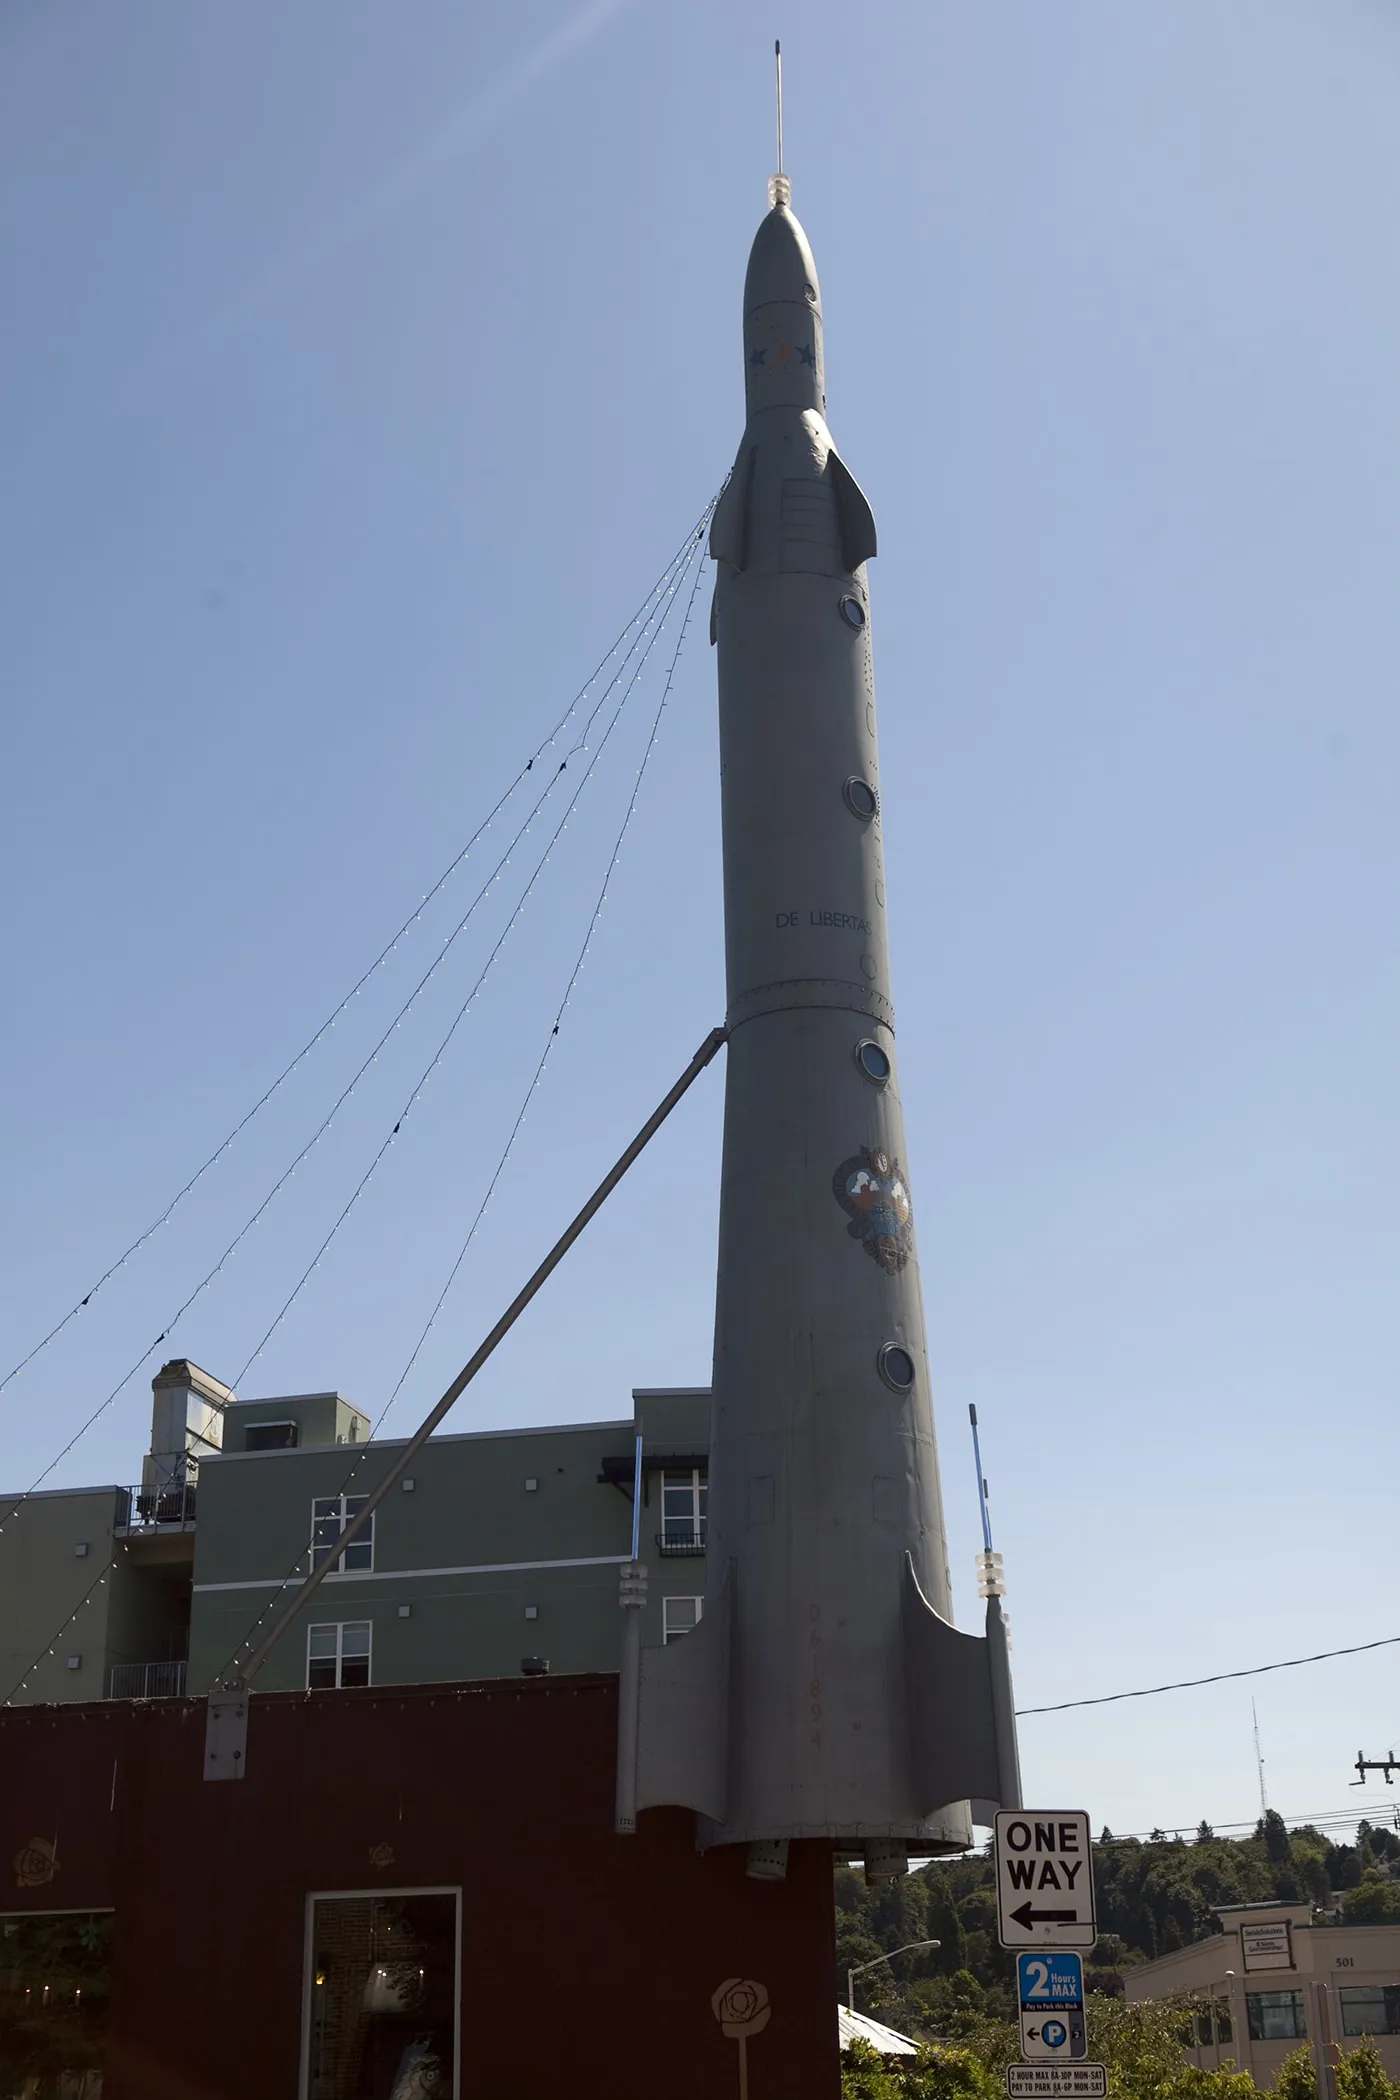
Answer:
[(807, 353), (758, 357)]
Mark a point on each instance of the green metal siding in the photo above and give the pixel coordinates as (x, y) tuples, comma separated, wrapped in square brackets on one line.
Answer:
[(43, 1582), (438, 1549), (451, 1549)]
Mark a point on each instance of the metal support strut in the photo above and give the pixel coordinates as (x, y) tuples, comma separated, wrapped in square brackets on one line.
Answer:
[(239, 1679)]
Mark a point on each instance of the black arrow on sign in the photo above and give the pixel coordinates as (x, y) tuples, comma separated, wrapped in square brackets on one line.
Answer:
[(1025, 1917)]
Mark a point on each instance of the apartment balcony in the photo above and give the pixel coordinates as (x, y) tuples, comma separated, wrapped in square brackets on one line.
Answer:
[(164, 1508), (157, 1523), (146, 1680), (677, 1544)]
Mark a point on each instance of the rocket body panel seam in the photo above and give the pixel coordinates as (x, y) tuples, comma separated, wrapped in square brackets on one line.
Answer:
[(855, 998)]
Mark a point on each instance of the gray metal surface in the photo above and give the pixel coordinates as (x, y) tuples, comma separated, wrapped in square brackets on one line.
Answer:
[(823, 1473)]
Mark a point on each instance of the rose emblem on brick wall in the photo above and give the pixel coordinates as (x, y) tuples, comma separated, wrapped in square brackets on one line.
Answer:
[(36, 1863), (742, 2009)]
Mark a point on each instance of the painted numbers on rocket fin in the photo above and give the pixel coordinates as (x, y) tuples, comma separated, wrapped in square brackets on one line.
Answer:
[(1045, 1878), (871, 1188)]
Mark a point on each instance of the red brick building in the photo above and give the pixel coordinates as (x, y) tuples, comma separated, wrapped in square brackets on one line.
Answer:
[(414, 1891)]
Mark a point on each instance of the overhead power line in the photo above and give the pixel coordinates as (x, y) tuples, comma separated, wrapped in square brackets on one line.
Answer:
[(657, 590), (1188, 1684)]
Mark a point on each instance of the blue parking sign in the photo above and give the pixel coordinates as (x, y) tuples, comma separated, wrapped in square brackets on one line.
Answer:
[(1050, 1988)]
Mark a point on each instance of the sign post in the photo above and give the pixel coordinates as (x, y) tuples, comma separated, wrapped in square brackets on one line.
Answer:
[(1045, 1879), (1050, 1988), (1045, 1909), (1056, 2081)]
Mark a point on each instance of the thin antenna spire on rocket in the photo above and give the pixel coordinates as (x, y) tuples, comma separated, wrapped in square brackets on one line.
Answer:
[(981, 1482), (778, 72), (779, 188)]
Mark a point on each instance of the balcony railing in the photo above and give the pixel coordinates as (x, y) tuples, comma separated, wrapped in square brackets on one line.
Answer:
[(165, 1508), (146, 1680), (675, 1544)]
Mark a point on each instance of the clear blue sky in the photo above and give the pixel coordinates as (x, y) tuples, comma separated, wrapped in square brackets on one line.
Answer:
[(362, 367)]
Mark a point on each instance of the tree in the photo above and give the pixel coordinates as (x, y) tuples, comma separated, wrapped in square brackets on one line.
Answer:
[(940, 2072), (942, 1923), (1362, 2076), (949, 2074), (1151, 1896), (864, 2075), (1296, 2079), (1275, 1835), (1372, 1902), (1144, 2047)]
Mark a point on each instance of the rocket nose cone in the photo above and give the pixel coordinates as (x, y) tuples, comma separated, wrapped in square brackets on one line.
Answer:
[(780, 264), (782, 318)]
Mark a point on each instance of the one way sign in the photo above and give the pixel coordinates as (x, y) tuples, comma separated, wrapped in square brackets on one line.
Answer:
[(1045, 1878)]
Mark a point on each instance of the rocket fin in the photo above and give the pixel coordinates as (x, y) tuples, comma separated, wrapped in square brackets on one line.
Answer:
[(729, 527), (683, 1718), (857, 518), (953, 1712)]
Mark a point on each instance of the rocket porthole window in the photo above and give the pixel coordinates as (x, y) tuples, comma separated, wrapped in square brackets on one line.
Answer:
[(853, 612), (896, 1367), (873, 1061), (861, 799)]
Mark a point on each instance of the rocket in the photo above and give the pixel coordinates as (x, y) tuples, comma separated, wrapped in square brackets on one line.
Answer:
[(825, 1693)]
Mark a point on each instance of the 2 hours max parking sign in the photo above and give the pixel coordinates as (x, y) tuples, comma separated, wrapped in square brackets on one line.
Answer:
[(1045, 1878)]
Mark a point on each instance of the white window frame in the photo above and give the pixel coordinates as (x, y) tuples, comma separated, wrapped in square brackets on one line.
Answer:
[(340, 1628), (671, 1633), (308, 1974), (323, 1513), (699, 1483)]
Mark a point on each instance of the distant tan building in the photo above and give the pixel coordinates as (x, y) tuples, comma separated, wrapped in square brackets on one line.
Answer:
[(1277, 1976)]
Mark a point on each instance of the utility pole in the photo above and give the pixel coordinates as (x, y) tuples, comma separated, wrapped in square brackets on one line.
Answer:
[(1365, 1764)]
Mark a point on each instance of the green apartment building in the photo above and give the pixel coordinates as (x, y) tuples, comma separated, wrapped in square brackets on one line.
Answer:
[(498, 1553)]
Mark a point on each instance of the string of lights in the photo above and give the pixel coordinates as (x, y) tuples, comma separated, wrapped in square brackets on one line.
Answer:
[(250, 1638), (50, 1646), (442, 1048), (682, 554), (651, 629), (553, 1034)]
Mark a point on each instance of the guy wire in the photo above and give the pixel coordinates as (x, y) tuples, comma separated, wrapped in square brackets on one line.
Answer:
[(459, 1017), (378, 963), (692, 543), (291, 1576), (559, 1015)]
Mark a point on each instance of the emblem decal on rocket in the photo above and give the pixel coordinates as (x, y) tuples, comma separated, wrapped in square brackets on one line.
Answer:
[(872, 1189)]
